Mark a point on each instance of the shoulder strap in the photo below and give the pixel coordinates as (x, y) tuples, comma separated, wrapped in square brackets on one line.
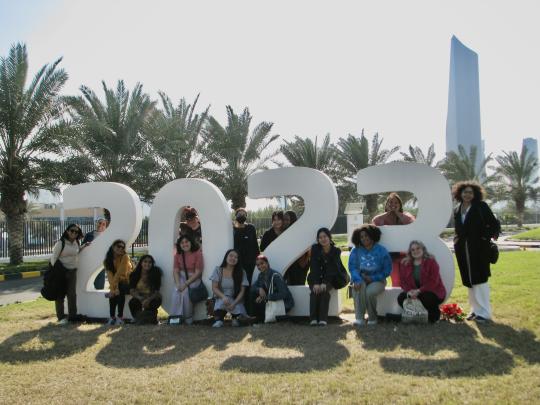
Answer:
[(63, 246), (185, 268), (271, 288)]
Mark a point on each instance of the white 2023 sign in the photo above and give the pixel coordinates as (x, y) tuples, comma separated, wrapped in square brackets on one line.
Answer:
[(321, 206)]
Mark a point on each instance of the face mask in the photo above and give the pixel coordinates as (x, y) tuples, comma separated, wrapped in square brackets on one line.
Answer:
[(241, 218)]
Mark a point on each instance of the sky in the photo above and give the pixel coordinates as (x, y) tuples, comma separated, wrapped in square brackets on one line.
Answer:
[(311, 67)]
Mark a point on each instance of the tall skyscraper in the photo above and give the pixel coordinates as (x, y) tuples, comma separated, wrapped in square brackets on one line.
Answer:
[(532, 146), (463, 118)]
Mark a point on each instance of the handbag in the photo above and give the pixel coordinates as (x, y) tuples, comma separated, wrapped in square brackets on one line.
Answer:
[(342, 278), (273, 309), (196, 294), (414, 311), (493, 249)]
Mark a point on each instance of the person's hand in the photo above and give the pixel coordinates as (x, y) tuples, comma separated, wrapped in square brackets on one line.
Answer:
[(323, 287), (183, 287), (357, 286), (413, 294), (367, 279), (230, 306), (262, 293), (145, 303), (317, 289), (259, 299)]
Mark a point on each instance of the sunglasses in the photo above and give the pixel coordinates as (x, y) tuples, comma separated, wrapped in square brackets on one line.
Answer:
[(73, 230), (120, 246)]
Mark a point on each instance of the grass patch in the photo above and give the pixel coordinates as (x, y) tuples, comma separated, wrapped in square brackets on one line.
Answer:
[(533, 234), (283, 363), (36, 265)]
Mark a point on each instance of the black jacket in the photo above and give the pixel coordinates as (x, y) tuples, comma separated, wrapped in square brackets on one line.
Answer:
[(268, 237), (245, 242), (472, 246), (323, 267), (280, 289)]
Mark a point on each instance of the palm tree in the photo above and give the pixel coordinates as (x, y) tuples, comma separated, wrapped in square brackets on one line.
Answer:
[(236, 153), (28, 125), (417, 155), (519, 175), (110, 145), (306, 153), (355, 154), (174, 135)]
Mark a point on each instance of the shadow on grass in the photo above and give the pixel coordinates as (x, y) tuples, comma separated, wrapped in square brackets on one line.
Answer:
[(48, 343), (459, 351), (521, 342), (319, 349), (153, 346)]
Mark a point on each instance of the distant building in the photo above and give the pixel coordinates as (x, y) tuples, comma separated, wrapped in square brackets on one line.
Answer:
[(532, 146), (463, 118)]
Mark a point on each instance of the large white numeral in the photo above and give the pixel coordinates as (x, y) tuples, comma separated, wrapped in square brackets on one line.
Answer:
[(321, 207), (126, 219), (434, 209), (164, 223)]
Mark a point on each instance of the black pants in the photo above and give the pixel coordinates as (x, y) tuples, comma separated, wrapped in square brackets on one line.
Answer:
[(319, 304), (135, 306), (430, 302), (119, 301), (71, 293), (258, 309)]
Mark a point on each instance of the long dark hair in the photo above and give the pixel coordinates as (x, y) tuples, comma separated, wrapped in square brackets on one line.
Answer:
[(292, 216), (194, 245), (65, 237), (328, 233), (238, 271), (154, 274), (108, 263)]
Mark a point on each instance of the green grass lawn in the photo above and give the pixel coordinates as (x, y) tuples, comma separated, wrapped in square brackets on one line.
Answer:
[(533, 234), (37, 265), (286, 362)]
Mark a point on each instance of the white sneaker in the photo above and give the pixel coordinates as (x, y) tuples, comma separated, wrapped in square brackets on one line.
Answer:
[(372, 323), (188, 321), (359, 322), (323, 323), (235, 322), (111, 321), (119, 321), (313, 323), (63, 321), (217, 324)]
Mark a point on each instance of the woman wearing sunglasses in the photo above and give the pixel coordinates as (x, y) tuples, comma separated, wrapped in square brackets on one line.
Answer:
[(118, 266), (65, 257)]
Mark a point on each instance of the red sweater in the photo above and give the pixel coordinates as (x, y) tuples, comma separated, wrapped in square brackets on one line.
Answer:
[(430, 278)]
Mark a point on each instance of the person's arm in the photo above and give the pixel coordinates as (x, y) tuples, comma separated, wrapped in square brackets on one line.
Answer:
[(430, 275), (353, 266), (56, 252), (491, 221), (113, 282), (265, 241), (279, 291), (199, 265), (385, 266), (406, 218), (253, 238), (124, 269), (405, 276)]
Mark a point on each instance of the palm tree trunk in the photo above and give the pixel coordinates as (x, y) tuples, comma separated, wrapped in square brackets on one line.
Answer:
[(238, 200), (15, 226)]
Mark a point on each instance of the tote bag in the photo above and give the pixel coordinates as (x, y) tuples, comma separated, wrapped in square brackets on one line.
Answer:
[(273, 308)]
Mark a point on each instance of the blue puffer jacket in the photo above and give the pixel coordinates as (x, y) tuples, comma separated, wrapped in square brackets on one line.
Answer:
[(375, 263)]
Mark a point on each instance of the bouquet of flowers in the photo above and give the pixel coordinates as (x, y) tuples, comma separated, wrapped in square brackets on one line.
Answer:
[(452, 312)]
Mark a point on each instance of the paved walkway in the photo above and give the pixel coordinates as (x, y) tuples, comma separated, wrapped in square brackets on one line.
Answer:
[(26, 289)]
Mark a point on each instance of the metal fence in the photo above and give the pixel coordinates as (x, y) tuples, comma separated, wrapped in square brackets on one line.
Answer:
[(40, 235)]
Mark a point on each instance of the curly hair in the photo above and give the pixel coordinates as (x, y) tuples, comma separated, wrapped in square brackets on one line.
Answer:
[(372, 231), (478, 190)]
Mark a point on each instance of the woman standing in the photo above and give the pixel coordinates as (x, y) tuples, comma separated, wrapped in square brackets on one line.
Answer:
[(271, 234), (245, 242), (475, 225), (260, 290), (421, 279), (394, 215), (66, 253), (369, 265), (229, 282), (118, 267), (187, 271), (324, 268), (144, 283), (297, 272)]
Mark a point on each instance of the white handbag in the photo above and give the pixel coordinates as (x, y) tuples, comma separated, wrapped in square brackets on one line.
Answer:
[(414, 311), (273, 308)]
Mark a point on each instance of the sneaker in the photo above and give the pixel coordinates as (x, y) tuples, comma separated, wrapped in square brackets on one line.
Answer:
[(188, 321), (217, 324), (372, 323), (111, 321), (119, 321), (359, 322), (313, 323), (480, 319), (471, 316), (63, 321), (235, 322), (323, 323)]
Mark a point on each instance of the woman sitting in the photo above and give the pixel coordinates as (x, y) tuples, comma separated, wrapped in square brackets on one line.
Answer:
[(118, 266), (229, 282), (145, 283), (324, 268), (369, 265), (297, 272), (260, 289), (187, 271), (421, 279)]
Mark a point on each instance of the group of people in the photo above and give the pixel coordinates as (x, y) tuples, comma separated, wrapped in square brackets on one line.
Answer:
[(235, 292)]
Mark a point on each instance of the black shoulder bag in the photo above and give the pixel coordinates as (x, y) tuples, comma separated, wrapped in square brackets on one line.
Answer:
[(493, 249)]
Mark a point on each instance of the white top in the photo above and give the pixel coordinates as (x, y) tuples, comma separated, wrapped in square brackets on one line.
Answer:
[(70, 255)]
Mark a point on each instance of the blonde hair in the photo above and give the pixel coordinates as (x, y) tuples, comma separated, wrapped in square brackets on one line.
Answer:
[(426, 254)]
